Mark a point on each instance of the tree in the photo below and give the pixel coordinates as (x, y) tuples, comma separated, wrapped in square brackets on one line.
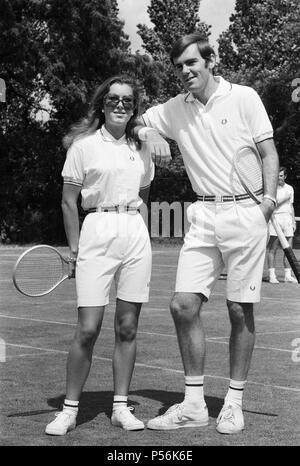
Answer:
[(261, 48), (171, 19), (55, 52)]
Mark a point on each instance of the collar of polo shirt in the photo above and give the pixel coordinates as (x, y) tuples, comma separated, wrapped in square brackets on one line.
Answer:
[(223, 88), (106, 136)]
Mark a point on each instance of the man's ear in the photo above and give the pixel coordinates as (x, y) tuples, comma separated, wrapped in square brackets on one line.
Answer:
[(211, 62)]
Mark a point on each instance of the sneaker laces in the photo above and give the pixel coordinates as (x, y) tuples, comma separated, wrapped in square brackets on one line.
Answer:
[(227, 414), (174, 412), (62, 415), (127, 411)]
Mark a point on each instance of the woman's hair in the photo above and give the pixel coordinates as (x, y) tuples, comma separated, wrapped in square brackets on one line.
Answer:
[(206, 51), (95, 118)]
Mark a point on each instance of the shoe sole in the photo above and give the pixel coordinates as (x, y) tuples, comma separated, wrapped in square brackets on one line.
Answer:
[(118, 424), (228, 432), (57, 433), (180, 426)]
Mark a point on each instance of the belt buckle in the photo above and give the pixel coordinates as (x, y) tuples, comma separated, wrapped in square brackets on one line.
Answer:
[(218, 198), (120, 208)]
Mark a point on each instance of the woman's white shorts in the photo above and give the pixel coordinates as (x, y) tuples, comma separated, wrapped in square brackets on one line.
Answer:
[(230, 234), (113, 246)]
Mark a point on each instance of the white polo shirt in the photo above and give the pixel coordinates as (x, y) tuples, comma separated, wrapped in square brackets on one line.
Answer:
[(208, 135), (284, 197), (109, 171)]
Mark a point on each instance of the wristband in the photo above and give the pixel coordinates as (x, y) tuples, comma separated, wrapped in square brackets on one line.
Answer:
[(71, 260), (266, 196)]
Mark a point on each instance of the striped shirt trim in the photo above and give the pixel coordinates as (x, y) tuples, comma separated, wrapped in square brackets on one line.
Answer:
[(146, 186), (68, 180)]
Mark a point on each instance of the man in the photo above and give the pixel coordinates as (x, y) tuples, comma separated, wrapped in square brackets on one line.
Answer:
[(285, 216), (209, 123)]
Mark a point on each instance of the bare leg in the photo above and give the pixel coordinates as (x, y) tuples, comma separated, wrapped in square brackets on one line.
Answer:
[(242, 338), (126, 323), (185, 309), (286, 264), (80, 355), (271, 251)]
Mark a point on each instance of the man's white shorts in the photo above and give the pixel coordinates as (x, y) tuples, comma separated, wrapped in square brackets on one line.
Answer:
[(285, 221), (113, 246), (230, 234)]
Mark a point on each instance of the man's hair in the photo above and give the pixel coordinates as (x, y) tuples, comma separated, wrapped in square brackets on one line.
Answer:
[(283, 169), (205, 49)]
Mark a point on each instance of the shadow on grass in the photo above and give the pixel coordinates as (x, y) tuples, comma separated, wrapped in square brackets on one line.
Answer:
[(94, 403)]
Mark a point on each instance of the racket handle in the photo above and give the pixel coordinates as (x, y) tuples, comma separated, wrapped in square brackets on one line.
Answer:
[(282, 239), (295, 266)]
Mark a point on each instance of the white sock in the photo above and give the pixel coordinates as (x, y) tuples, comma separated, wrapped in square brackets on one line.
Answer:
[(287, 273), (272, 273), (194, 394), (71, 406), (235, 393), (120, 401)]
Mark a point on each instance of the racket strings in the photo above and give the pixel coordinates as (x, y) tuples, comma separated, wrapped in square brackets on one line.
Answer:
[(249, 170), (39, 271)]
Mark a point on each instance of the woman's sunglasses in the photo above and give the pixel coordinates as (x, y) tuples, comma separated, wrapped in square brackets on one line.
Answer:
[(112, 101)]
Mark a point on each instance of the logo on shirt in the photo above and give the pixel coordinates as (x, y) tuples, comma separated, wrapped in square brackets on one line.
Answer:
[(224, 121), (252, 287), (131, 157)]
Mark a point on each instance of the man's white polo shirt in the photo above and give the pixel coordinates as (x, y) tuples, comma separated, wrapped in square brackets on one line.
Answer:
[(284, 197), (209, 135), (109, 171)]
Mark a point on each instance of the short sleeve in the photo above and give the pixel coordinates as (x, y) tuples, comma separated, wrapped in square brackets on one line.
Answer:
[(257, 117), (73, 172), (159, 117)]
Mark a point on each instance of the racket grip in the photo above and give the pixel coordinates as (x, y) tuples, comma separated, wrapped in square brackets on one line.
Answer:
[(282, 239), (295, 266)]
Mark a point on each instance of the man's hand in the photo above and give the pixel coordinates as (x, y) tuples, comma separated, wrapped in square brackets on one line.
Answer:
[(267, 207), (158, 147)]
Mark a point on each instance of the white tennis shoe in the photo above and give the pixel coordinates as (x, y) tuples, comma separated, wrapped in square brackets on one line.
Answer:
[(230, 420), (290, 279), (124, 418), (179, 416), (63, 423), (273, 280)]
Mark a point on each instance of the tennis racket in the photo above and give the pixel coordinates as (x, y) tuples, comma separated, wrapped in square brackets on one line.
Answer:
[(248, 167), (39, 270)]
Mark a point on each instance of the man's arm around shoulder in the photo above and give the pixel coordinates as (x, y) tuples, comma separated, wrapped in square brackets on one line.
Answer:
[(157, 146)]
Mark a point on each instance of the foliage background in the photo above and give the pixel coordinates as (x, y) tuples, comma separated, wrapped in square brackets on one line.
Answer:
[(54, 53)]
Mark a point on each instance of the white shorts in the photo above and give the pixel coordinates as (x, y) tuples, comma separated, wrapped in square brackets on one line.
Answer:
[(285, 221), (224, 234), (113, 246)]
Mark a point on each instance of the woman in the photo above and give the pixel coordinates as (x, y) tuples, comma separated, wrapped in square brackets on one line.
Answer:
[(113, 176)]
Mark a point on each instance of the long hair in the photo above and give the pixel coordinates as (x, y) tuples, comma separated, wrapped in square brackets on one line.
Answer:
[(95, 118), (205, 49)]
